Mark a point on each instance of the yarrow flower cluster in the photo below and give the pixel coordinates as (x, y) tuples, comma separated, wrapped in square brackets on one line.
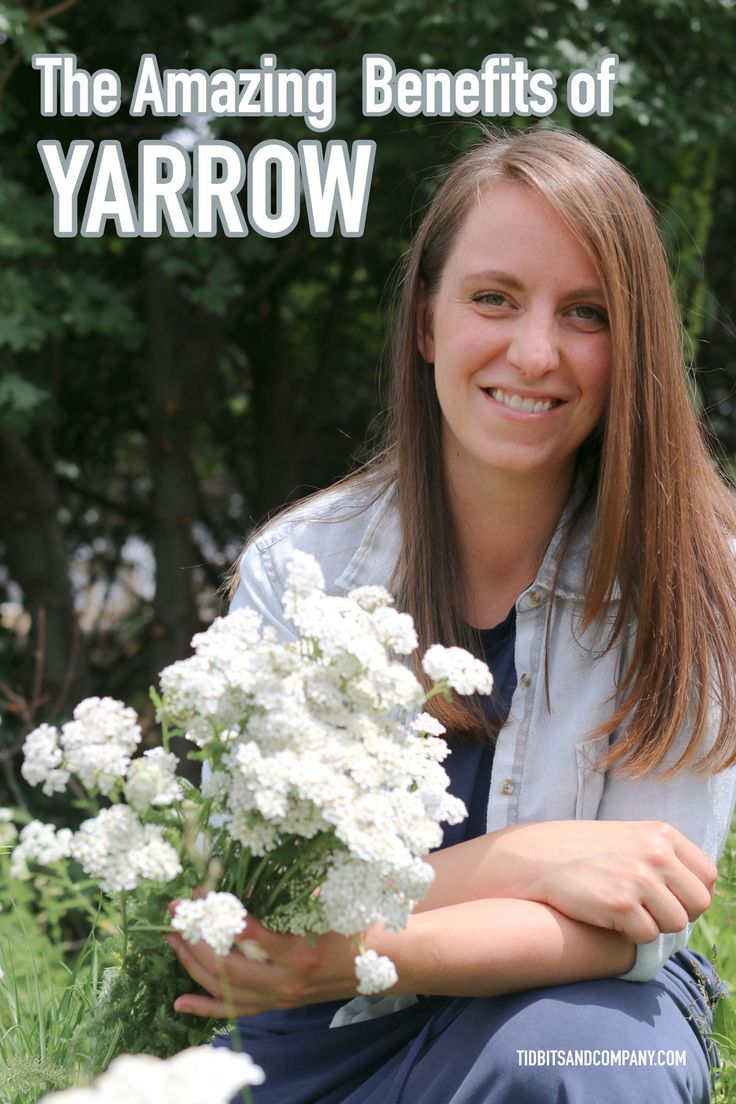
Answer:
[(152, 780), (217, 919), (458, 668), (198, 1075), (115, 847), (96, 746), (118, 850), (374, 972), (313, 756), (39, 843), (8, 831)]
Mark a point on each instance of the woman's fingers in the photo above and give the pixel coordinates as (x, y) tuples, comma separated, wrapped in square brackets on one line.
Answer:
[(195, 1005), (644, 916), (690, 893), (691, 856), (221, 975)]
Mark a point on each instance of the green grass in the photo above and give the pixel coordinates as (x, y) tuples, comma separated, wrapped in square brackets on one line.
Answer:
[(44, 1002), (715, 937)]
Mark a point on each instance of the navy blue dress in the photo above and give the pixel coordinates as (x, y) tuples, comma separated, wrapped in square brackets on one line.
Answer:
[(461, 1050)]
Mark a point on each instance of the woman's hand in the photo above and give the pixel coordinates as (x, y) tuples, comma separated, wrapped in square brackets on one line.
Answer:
[(638, 878), (292, 972)]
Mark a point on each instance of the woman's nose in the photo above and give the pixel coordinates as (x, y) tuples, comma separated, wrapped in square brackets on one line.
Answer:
[(533, 348)]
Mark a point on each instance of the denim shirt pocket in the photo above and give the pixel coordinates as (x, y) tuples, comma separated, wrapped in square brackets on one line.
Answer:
[(591, 777)]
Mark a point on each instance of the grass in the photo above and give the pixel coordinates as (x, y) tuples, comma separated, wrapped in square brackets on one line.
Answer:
[(44, 1003), (715, 937)]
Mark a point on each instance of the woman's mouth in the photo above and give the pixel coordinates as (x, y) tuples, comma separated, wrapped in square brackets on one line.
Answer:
[(520, 402)]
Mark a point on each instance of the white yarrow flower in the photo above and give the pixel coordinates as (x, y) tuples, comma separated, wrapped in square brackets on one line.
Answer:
[(217, 919), (198, 1075), (464, 673), (42, 760), (117, 850), (8, 831), (371, 597), (304, 574), (39, 843), (428, 724), (152, 780), (375, 973), (395, 630), (100, 741)]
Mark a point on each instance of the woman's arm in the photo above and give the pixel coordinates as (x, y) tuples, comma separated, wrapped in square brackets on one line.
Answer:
[(481, 948), (489, 924), (638, 878)]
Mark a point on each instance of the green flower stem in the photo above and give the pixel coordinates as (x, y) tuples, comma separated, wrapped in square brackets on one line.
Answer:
[(124, 924), (262, 866), (441, 687), (149, 928), (244, 865), (306, 853), (78, 897)]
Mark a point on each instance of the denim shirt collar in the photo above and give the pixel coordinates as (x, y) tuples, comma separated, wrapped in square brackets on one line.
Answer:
[(378, 552)]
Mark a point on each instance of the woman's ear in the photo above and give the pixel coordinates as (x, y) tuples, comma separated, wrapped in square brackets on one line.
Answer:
[(425, 337)]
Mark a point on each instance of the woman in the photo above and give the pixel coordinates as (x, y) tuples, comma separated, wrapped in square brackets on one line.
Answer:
[(546, 498)]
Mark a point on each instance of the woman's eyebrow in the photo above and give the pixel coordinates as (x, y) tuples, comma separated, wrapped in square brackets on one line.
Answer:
[(497, 275), (508, 279)]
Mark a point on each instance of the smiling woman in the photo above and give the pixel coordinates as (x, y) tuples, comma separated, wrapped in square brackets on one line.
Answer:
[(534, 502)]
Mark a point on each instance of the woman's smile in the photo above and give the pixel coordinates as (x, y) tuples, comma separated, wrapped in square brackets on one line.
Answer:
[(521, 406)]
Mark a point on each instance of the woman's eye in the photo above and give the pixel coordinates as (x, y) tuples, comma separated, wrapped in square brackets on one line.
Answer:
[(491, 299), (586, 312)]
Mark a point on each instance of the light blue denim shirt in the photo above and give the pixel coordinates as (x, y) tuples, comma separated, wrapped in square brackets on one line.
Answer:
[(544, 766)]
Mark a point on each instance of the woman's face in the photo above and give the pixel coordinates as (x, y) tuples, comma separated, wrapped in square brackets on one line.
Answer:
[(519, 338)]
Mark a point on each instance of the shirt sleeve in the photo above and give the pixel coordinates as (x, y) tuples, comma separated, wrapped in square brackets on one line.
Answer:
[(259, 590)]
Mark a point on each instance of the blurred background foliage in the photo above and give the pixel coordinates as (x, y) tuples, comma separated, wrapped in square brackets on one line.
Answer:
[(158, 397)]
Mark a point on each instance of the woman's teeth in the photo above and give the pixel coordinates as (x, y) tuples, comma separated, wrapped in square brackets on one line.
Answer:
[(516, 402)]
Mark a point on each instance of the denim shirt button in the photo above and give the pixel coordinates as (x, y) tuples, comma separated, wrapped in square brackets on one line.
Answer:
[(507, 786), (535, 597), (526, 680)]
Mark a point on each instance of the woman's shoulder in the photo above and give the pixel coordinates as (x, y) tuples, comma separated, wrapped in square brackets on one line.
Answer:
[(351, 529)]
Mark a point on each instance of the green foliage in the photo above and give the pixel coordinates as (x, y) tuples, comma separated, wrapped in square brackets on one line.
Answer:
[(44, 1003), (134, 1013), (21, 401)]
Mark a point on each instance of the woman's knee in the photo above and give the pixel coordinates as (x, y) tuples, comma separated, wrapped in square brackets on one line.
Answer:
[(572, 1046)]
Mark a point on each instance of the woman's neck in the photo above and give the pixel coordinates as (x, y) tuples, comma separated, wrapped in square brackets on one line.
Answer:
[(503, 524)]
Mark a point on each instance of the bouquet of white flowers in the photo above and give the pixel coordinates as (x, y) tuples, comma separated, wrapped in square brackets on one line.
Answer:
[(320, 793)]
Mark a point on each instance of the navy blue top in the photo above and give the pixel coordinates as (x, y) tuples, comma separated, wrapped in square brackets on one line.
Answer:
[(469, 766)]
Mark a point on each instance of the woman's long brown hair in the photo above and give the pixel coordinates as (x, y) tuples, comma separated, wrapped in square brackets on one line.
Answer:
[(664, 518)]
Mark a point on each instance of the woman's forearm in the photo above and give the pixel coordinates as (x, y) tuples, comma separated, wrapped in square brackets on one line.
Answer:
[(496, 946), (639, 878)]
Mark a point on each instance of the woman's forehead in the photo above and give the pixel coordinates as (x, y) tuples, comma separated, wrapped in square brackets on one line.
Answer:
[(509, 227)]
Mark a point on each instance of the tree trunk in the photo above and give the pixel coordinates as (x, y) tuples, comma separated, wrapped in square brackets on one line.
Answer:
[(37, 561), (184, 346), (273, 387)]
